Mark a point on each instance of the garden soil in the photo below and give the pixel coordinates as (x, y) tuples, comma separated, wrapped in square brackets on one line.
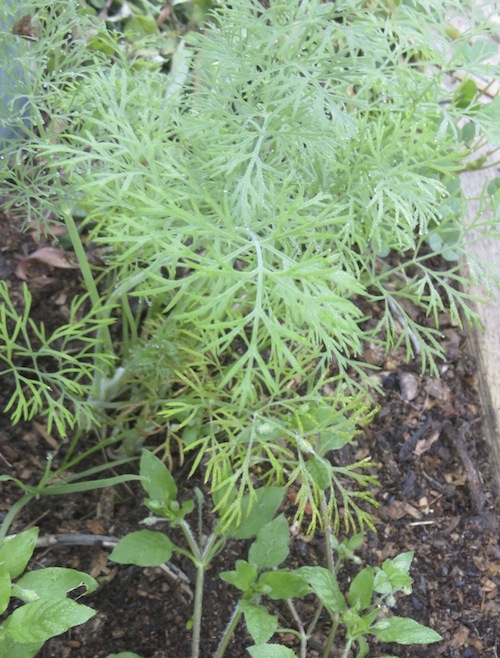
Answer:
[(436, 498)]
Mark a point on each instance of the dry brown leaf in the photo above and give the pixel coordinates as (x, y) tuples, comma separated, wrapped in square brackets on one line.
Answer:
[(424, 445), (99, 565), (460, 637), (46, 256), (397, 509), (438, 389)]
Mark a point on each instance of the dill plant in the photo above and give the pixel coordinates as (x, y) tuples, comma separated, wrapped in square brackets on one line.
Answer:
[(298, 165)]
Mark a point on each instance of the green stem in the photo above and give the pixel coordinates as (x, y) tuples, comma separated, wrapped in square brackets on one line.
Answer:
[(201, 558), (197, 558), (229, 632), (195, 549), (315, 619), (197, 610), (300, 626), (331, 638), (14, 509), (330, 563), (88, 278), (347, 649)]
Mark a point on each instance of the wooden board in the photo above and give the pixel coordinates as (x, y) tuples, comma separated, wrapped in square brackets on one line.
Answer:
[(485, 345)]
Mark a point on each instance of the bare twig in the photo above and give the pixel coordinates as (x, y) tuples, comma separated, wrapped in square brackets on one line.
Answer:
[(74, 539), (457, 436)]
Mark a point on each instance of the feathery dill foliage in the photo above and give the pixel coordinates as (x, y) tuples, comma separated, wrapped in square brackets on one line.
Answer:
[(247, 204)]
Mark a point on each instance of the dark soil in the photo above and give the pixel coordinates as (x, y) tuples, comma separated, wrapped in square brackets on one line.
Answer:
[(436, 498)]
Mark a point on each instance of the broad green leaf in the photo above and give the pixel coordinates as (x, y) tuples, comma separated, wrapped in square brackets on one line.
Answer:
[(346, 548), (262, 508), (404, 631), (361, 589), (321, 472), (451, 254), (465, 94), (325, 586), (401, 562), (382, 583), (468, 132), (145, 548), (11, 649), (354, 542), (396, 570), (260, 622), (40, 620), (284, 584), (331, 440), (494, 186), (5, 585), (435, 242), (102, 43), (139, 26), (271, 545), (157, 482), (52, 583), (16, 551), (243, 577), (270, 651)]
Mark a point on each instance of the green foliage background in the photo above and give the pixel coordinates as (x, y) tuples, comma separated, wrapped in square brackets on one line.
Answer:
[(296, 166)]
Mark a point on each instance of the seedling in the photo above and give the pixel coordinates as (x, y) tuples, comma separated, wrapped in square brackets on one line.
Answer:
[(361, 612)]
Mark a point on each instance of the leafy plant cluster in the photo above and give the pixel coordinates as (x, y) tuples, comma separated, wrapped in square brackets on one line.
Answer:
[(254, 189), (362, 612), (251, 207), (47, 611)]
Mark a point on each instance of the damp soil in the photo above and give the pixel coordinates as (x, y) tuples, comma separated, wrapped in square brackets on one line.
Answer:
[(436, 498)]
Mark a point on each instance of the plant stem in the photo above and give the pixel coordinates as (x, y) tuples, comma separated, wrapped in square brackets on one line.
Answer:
[(330, 563), (88, 278), (197, 558), (197, 610), (314, 620), (331, 638), (201, 558), (347, 648), (300, 626), (13, 510), (228, 633)]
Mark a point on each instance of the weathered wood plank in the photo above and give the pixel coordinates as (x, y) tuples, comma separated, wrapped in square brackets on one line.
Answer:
[(485, 345)]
